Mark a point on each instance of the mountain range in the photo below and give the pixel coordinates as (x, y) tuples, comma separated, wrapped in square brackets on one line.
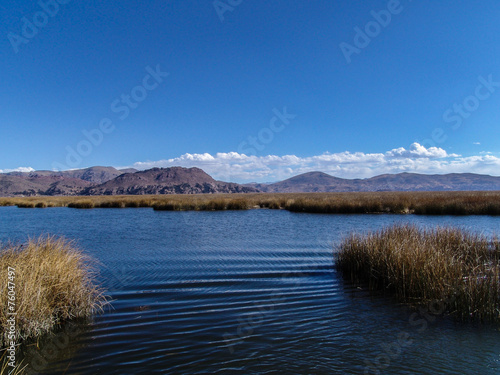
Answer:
[(179, 180), (322, 182), (111, 181)]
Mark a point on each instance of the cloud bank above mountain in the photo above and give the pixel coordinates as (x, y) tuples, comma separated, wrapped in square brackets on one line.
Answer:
[(20, 169), (237, 167)]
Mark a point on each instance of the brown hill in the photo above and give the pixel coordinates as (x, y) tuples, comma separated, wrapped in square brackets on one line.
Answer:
[(96, 175), (322, 182), (174, 180), (110, 181), (308, 182), (12, 185), (422, 182), (55, 183)]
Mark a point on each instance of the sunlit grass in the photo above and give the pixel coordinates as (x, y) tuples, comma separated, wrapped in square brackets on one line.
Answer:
[(424, 265), (54, 282)]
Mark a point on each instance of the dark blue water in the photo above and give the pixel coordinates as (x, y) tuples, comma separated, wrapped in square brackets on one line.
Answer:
[(250, 292)]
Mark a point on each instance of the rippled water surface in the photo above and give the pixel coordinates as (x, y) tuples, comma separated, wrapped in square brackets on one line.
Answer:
[(251, 292)]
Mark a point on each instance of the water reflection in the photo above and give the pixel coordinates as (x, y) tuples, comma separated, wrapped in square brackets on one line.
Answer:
[(51, 353), (244, 292)]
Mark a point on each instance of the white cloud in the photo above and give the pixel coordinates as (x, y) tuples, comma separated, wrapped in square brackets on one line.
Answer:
[(416, 150), (236, 167), (19, 169), (476, 143)]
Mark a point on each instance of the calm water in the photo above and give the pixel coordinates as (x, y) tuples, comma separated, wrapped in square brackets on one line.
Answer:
[(250, 292)]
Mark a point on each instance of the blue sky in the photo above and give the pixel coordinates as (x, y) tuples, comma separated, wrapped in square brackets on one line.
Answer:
[(256, 90)]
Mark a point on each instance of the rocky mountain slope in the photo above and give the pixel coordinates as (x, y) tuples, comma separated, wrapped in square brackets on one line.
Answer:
[(96, 175), (322, 182), (110, 181), (71, 182), (174, 180), (14, 185)]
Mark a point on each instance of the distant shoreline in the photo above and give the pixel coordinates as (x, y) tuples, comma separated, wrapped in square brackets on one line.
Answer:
[(420, 203)]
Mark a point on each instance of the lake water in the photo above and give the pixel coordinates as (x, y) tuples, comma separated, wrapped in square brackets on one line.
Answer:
[(243, 292)]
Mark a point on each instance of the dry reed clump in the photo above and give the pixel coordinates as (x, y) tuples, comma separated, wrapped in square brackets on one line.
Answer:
[(424, 265), (54, 282), (26, 205), (85, 204), (237, 204), (209, 204), (112, 204), (350, 203)]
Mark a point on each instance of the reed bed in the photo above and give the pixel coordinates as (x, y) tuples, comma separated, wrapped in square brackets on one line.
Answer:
[(54, 282), (420, 266), (420, 203), (217, 204)]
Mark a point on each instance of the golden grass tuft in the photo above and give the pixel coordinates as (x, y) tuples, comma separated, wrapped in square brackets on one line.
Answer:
[(425, 265), (54, 282)]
